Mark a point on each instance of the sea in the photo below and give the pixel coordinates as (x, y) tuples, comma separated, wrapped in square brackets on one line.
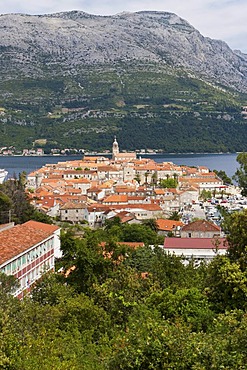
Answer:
[(226, 161)]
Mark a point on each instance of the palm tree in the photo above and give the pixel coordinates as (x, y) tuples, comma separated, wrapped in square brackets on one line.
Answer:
[(154, 178), (151, 223), (175, 216), (137, 178)]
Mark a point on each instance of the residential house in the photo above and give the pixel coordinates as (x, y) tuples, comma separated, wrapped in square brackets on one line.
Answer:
[(188, 196), (200, 229), (73, 212), (167, 227), (96, 215), (204, 182), (125, 217)]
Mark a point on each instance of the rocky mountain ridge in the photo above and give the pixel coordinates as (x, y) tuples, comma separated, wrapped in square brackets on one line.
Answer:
[(64, 42)]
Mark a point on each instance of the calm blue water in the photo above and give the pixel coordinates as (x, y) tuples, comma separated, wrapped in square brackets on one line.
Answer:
[(226, 162)]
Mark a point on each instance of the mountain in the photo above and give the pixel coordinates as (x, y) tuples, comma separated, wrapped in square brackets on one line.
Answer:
[(91, 75), (75, 38)]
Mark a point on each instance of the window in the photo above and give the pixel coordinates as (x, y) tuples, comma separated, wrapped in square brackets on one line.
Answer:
[(13, 265)]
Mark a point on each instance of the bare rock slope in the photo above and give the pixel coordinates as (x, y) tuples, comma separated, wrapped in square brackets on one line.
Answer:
[(64, 42)]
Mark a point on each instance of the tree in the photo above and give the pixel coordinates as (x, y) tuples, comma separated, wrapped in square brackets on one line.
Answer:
[(122, 292), (139, 233), (68, 247), (146, 177), (241, 173), (137, 178), (169, 183), (174, 216), (8, 284), (51, 289), (5, 207), (154, 178), (166, 269), (114, 221), (205, 194), (151, 223), (191, 305), (226, 285), (223, 176), (15, 202), (235, 225), (87, 257)]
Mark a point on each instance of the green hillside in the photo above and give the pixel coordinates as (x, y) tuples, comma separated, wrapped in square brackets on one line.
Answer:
[(145, 105)]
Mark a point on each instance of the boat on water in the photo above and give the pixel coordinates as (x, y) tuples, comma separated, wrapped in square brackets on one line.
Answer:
[(3, 175)]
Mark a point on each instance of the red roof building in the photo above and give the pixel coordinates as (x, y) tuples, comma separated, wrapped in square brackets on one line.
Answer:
[(201, 249), (27, 250)]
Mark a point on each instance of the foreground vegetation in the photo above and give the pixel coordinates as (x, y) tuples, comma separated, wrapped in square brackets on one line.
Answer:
[(122, 308), (15, 205)]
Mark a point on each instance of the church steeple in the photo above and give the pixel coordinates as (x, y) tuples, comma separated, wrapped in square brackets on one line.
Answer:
[(115, 148)]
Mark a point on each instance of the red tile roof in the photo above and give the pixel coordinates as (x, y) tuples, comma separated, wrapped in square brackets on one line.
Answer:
[(116, 199), (167, 225), (194, 243), (125, 216), (201, 225), (41, 226), (20, 238), (71, 205)]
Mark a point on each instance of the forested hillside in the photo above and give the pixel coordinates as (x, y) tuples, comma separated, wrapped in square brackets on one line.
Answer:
[(146, 106)]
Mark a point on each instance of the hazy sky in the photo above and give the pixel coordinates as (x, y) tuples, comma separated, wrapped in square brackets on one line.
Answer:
[(218, 19)]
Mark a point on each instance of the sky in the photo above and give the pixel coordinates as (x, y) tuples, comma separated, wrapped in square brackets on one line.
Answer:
[(219, 19)]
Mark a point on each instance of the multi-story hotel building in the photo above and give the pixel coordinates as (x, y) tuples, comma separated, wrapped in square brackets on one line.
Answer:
[(27, 251)]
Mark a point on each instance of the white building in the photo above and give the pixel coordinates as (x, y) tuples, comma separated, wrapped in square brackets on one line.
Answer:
[(200, 249), (27, 251)]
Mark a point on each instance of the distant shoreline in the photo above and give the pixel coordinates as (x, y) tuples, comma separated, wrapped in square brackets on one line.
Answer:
[(219, 161), (109, 154)]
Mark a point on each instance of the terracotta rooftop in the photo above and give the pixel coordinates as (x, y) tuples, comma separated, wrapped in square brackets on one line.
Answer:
[(159, 191), (124, 189), (147, 207), (194, 243), (116, 199), (125, 216), (20, 238), (201, 225), (200, 180), (47, 201), (168, 225), (41, 226), (77, 181), (71, 205)]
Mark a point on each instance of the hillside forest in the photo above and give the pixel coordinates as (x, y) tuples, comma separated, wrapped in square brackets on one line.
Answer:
[(147, 105)]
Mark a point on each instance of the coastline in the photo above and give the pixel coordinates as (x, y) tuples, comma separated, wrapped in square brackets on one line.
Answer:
[(108, 154), (16, 164)]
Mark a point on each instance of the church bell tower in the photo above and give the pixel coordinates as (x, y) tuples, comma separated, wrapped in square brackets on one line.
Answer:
[(115, 148)]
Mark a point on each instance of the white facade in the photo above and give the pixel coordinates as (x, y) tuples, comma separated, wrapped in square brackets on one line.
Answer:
[(27, 251)]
